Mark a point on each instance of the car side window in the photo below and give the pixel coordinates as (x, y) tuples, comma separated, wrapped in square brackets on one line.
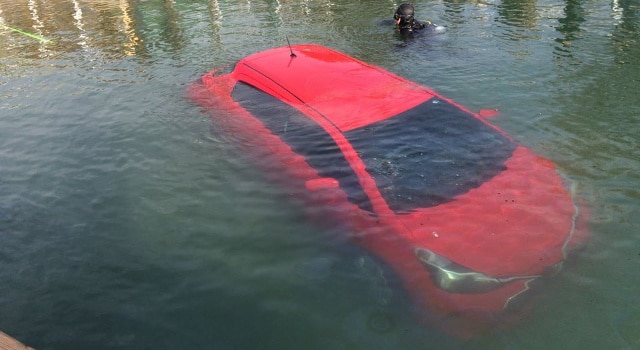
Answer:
[(305, 137)]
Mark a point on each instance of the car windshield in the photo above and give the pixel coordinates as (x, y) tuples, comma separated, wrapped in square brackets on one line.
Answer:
[(430, 154)]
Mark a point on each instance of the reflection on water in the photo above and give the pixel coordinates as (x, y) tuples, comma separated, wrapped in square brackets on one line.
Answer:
[(55, 20), (519, 14), (570, 23), (127, 222), (118, 27)]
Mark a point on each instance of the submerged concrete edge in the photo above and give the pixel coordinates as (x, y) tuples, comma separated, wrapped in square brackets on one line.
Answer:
[(8, 343)]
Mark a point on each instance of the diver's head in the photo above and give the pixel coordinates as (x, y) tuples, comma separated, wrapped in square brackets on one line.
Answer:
[(404, 14)]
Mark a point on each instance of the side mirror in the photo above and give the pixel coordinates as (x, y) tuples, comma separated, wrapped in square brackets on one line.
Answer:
[(488, 113), (323, 183)]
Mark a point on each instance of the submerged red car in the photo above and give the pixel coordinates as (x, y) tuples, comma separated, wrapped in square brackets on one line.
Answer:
[(470, 220)]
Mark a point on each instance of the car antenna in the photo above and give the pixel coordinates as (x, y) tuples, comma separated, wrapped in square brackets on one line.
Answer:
[(290, 49)]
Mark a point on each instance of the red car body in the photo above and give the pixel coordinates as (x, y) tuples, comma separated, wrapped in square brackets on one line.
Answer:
[(470, 220)]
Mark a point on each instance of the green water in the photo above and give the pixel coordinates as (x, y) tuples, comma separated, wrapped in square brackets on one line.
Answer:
[(127, 222)]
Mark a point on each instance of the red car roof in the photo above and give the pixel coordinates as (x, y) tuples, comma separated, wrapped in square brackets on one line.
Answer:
[(346, 91)]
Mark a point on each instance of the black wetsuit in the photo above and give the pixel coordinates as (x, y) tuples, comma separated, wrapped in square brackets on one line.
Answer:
[(408, 28)]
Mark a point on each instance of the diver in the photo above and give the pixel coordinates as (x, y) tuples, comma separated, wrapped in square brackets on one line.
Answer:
[(407, 24)]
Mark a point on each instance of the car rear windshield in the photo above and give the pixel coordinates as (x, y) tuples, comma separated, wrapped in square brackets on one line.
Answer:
[(430, 154)]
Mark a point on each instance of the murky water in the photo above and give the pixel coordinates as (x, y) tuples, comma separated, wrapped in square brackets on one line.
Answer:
[(127, 222)]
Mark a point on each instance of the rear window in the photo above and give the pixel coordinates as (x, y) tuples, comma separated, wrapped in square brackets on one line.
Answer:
[(430, 154)]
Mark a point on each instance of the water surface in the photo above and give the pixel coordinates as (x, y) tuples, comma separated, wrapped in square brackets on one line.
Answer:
[(126, 221)]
